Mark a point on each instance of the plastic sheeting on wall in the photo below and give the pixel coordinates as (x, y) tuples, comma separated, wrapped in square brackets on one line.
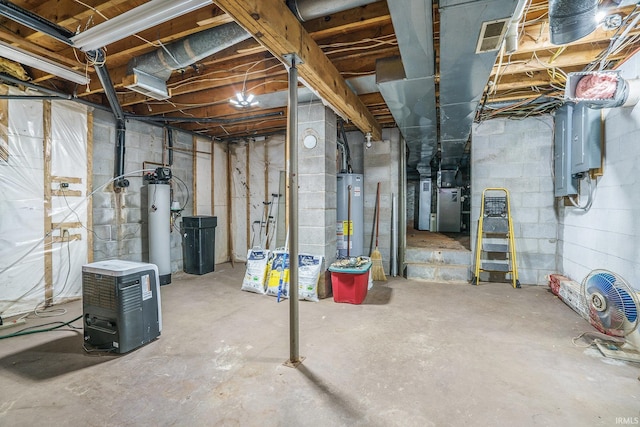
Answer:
[(43, 236)]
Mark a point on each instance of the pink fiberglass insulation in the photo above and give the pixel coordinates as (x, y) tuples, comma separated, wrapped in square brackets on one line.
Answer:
[(597, 86)]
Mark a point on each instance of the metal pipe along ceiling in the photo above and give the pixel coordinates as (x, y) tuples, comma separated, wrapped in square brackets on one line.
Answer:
[(570, 20), (305, 10)]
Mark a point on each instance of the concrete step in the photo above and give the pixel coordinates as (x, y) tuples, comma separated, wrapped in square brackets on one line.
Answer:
[(428, 256), (439, 272)]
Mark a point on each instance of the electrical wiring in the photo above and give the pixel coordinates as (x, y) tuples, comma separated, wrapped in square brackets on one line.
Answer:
[(595, 335), (524, 108), (202, 79), (56, 311), (618, 42), (376, 42), (30, 330), (48, 234), (591, 196), (64, 196)]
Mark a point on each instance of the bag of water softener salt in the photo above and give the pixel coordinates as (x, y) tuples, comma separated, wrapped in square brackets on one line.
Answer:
[(309, 267), (278, 279), (255, 277)]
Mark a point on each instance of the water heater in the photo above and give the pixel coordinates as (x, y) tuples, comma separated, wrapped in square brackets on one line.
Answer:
[(350, 214)]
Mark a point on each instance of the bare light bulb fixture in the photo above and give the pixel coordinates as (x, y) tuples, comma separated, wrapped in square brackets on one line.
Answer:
[(368, 138), (611, 22), (242, 100)]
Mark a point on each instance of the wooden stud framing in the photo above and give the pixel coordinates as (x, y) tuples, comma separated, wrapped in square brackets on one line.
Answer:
[(66, 193), (248, 205), (229, 210), (48, 240), (89, 185), (213, 187), (67, 225), (4, 125), (194, 168), (66, 239), (67, 179), (266, 172)]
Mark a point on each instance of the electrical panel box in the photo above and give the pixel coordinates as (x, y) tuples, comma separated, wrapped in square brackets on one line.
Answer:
[(121, 304), (586, 139), (565, 183)]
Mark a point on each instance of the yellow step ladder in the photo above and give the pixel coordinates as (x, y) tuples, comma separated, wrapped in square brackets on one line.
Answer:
[(498, 253)]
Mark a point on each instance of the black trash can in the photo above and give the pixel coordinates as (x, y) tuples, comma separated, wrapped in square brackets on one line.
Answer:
[(199, 243)]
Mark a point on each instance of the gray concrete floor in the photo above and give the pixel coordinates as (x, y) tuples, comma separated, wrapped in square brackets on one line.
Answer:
[(414, 354)]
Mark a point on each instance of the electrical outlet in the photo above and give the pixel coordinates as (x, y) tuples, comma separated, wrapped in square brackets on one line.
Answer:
[(64, 231), (64, 185)]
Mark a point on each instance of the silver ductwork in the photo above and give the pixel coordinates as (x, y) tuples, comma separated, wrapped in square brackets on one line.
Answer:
[(471, 33), (149, 73), (570, 20), (602, 89), (511, 38), (407, 84), (464, 72), (305, 10)]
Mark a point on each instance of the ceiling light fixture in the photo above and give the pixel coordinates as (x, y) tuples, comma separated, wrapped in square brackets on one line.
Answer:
[(242, 100), (368, 137), (133, 21), (611, 22), (31, 60)]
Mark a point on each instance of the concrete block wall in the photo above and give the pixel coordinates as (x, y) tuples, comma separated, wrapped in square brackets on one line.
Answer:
[(317, 181), (606, 237), (518, 155), (120, 218), (381, 164)]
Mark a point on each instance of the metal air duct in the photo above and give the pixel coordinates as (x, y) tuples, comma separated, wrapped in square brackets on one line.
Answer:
[(407, 84), (464, 70), (149, 73), (305, 10), (570, 20), (511, 38)]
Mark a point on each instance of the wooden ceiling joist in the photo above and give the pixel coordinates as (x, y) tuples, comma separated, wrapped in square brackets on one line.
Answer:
[(272, 24)]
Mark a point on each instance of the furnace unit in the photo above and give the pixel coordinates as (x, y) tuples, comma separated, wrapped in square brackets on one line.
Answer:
[(121, 304), (449, 210), (422, 219)]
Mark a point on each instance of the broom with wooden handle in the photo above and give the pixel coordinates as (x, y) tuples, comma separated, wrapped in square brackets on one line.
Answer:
[(376, 256)]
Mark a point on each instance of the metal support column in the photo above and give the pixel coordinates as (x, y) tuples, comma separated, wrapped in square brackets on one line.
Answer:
[(292, 141), (402, 217)]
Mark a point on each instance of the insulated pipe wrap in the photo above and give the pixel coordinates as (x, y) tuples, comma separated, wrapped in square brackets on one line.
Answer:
[(185, 52)]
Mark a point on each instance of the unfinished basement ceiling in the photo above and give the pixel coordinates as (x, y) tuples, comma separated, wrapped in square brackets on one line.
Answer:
[(389, 56)]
